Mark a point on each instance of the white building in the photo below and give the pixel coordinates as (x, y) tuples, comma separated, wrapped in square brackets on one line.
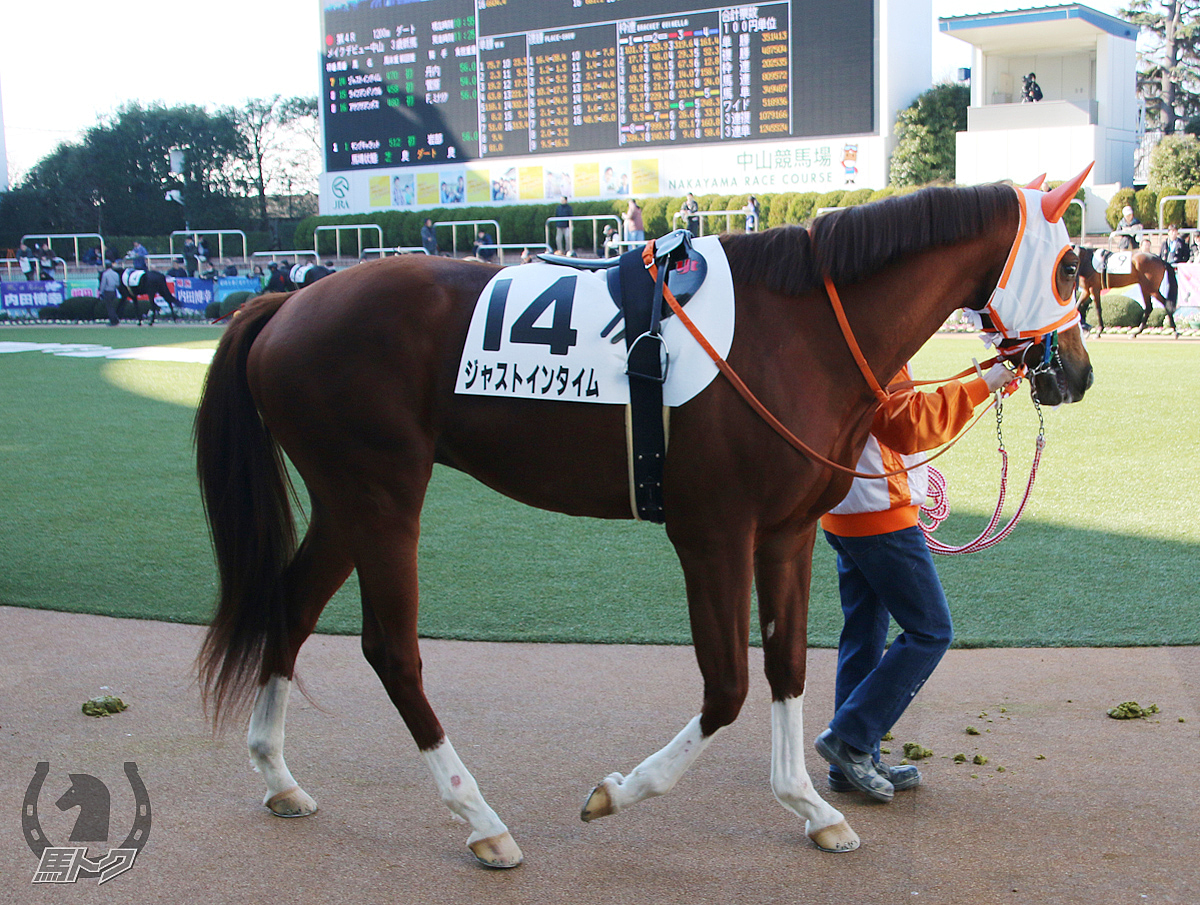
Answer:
[(1085, 63)]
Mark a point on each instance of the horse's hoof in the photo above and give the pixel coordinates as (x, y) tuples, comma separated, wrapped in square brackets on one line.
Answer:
[(497, 851), (836, 838), (600, 803), (294, 802)]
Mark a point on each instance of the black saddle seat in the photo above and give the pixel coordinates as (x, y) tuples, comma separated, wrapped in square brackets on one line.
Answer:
[(579, 263)]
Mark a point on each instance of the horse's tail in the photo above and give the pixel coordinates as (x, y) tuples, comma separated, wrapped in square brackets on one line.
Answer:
[(1172, 285), (245, 488)]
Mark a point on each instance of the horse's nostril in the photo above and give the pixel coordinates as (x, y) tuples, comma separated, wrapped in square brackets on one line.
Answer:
[(1090, 377)]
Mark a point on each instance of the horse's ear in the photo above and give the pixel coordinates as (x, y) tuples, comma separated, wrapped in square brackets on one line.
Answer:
[(1037, 182), (1056, 202)]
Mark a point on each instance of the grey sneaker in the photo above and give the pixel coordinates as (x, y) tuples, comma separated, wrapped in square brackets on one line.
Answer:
[(902, 776), (857, 767)]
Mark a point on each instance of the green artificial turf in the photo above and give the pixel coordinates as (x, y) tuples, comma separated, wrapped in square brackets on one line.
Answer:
[(101, 514)]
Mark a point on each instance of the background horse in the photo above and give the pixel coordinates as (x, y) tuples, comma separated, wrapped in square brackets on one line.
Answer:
[(1146, 271), (354, 379), (302, 275), (151, 284)]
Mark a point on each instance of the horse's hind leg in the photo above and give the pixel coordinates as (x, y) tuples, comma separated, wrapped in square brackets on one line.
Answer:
[(320, 567), (385, 554), (718, 588), (783, 569)]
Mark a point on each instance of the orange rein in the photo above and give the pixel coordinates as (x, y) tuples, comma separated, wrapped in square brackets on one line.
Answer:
[(763, 412)]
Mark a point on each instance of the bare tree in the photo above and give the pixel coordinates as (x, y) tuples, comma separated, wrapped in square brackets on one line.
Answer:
[(278, 150)]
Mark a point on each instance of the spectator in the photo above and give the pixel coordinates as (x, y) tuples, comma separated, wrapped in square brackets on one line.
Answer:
[(138, 254), (92, 257), (752, 214), (278, 281), (110, 288), (27, 261), (526, 256), (190, 255), (1129, 229), (177, 269), (483, 239), (1175, 249), (429, 237), (691, 214), (203, 250), (612, 239), (562, 228), (46, 265), (1031, 91), (635, 229), (230, 270)]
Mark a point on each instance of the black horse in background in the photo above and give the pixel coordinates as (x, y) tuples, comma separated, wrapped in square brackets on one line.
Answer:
[(151, 284), (302, 275)]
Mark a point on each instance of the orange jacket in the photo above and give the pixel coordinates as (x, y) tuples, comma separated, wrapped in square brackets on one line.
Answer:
[(909, 422)]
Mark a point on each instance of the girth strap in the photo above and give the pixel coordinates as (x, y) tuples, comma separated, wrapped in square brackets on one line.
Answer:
[(641, 299)]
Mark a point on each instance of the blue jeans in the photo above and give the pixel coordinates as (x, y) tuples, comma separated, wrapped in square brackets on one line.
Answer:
[(880, 576)]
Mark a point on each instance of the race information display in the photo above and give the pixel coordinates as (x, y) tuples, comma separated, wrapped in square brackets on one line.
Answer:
[(431, 81)]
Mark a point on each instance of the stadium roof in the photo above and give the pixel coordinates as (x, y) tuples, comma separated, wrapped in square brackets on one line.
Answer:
[(1030, 30)]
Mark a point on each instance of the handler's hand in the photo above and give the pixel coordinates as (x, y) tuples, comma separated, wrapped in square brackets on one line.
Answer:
[(997, 377)]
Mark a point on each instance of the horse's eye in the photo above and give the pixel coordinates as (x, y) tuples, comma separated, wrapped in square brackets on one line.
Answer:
[(1071, 269)]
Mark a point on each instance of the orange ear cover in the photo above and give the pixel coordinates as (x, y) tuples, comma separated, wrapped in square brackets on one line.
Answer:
[(1055, 203), (1037, 183)]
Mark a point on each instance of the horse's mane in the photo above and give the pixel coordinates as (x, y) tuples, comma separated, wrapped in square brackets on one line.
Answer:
[(854, 242)]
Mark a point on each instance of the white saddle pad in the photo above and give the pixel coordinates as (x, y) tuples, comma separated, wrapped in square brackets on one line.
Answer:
[(535, 334), (1120, 262)]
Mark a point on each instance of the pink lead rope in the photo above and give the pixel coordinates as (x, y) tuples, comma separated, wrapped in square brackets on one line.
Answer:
[(938, 507)]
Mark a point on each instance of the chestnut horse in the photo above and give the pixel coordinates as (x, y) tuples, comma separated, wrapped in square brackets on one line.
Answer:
[(1147, 272), (354, 379)]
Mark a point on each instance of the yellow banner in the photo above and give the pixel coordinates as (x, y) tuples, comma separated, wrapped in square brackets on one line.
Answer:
[(380, 191), (479, 187), (587, 179), (530, 181), (645, 176), (427, 188)]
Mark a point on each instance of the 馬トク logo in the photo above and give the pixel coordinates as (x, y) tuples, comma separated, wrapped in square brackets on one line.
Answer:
[(68, 863)]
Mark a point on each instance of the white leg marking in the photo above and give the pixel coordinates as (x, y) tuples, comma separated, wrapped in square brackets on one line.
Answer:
[(265, 740), (656, 775), (790, 781), (489, 839)]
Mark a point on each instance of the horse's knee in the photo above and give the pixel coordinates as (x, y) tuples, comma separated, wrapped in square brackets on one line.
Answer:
[(723, 702)]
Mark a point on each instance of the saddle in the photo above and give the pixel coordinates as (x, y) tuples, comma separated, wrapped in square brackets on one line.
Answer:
[(640, 303)]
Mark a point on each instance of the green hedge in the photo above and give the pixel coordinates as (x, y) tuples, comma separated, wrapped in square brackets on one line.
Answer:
[(525, 223), (90, 308), (1122, 311)]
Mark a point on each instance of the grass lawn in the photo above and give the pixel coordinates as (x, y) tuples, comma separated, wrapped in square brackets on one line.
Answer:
[(101, 513)]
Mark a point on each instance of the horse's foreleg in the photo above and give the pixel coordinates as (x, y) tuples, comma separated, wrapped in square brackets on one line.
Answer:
[(783, 569), (319, 568), (654, 776), (387, 568), (718, 588)]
